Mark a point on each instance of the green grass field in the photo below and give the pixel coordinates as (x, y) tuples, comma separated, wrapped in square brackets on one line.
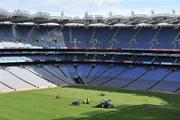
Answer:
[(129, 105)]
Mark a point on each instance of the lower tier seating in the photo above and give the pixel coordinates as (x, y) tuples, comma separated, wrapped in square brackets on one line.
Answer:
[(136, 77)]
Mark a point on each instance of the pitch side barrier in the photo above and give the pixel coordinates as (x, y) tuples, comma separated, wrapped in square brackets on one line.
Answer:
[(90, 61)]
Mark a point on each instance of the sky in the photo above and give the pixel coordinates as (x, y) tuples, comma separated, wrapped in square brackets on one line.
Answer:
[(96, 7)]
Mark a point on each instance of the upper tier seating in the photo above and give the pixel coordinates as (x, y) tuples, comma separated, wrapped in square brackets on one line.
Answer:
[(12, 36)]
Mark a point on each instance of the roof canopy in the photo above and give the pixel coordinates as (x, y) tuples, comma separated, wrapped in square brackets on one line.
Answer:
[(43, 18)]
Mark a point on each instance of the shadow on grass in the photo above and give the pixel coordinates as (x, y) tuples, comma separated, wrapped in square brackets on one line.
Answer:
[(135, 112)]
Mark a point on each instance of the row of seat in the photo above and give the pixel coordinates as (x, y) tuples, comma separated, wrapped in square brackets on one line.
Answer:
[(142, 38), (162, 79), (80, 37), (16, 78), (154, 78)]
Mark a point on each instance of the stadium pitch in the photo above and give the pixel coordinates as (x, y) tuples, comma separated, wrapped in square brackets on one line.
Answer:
[(130, 105)]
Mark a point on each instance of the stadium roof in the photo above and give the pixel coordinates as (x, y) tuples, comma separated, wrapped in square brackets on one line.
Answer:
[(42, 18)]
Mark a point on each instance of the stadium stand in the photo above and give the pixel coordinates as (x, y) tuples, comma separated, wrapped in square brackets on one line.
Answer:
[(140, 53)]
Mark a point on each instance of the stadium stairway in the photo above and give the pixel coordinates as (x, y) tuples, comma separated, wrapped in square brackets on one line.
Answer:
[(13, 82), (151, 87), (79, 79), (82, 70), (44, 74), (5, 88), (131, 82), (148, 79), (55, 74), (50, 75), (107, 76), (170, 83), (24, 80), (74, 74), (100, 74), (144, 37), (118, 73), (89, 71), (30, 78), (59, 72), (123, 39), (94, 70), (129, 73)]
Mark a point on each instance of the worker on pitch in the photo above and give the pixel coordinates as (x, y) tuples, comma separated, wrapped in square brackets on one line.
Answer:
[(101, 94), (87, 101)]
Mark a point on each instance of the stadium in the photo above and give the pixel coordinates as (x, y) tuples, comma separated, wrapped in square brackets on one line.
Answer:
[(46, 62)]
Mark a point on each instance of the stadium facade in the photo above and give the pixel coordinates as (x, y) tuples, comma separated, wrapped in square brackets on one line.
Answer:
[(139, 52)]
